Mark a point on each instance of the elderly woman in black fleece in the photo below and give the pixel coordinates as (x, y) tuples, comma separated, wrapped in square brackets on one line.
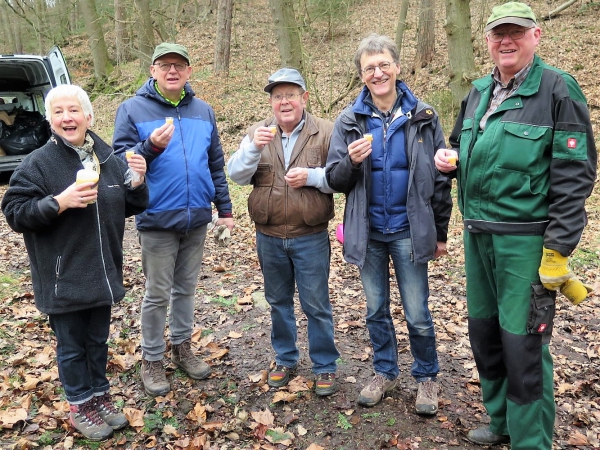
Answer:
[(74, 238)]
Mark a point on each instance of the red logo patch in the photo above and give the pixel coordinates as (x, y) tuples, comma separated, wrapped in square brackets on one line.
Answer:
[(542, 328), (571, 143)]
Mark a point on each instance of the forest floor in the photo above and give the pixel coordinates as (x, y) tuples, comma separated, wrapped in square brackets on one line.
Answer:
[(234, 408)]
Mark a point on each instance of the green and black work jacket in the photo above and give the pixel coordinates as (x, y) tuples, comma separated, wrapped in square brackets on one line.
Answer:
[(531, 170)]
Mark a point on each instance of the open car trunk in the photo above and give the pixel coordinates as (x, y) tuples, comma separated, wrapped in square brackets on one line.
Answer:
[(24, 82)]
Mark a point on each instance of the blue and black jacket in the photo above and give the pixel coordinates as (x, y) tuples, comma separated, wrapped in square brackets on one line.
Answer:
[(189, 174)]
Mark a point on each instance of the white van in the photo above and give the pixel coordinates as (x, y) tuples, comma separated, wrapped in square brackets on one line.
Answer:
[(24, 82)]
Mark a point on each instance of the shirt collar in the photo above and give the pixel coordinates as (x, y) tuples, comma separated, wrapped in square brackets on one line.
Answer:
[(515, 81)]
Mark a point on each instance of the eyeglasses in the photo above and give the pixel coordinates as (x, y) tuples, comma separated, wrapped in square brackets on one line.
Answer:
[(289, 97), (515, 35), (384, 67), (165, 67)]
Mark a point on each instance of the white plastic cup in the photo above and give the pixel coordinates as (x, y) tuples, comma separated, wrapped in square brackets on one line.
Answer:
[(87, 176)]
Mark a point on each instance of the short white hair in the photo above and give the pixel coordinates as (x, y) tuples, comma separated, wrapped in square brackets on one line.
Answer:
[(72, 91)]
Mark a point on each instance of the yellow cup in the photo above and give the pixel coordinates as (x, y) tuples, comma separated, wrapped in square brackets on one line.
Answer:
[(169, 120), (273, 129), (452, 158), (129, 154), (368, 137), (87, 176)]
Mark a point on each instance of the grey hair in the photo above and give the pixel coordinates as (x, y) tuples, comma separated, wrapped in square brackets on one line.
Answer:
[(373, 45), (72, 91)]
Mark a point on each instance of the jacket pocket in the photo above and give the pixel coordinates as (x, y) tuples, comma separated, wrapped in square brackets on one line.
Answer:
[(516, 196), (523, 146), (313, 156), (466, 136), (264, 175), (317, 208), (259, 204)]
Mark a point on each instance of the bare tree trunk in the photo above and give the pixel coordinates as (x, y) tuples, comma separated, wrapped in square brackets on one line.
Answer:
[(287, 33), (146, 33), (223, 38), (401, 24), (8, 40), (425, 35), (460, 48), (122, 35), (102, 65)]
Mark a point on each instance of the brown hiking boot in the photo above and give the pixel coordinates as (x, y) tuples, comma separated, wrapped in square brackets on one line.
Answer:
[(427, 401), (107, 412), (373, 392), (154, 378), (183, 356), (88, 422)]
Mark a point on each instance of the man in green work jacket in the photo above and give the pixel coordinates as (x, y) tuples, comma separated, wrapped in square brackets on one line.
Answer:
[(525, 161)]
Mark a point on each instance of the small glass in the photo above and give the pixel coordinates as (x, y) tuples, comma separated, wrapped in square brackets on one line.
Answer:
[(273, 130), (169, 120), (129, 154), (368, 137)]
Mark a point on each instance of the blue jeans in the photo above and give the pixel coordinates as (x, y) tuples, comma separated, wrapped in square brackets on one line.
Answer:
[(414, 290), (82, 352), (303, 261), (171, 263)]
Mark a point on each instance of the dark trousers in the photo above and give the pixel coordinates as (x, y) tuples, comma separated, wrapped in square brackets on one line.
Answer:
[(82, 351)]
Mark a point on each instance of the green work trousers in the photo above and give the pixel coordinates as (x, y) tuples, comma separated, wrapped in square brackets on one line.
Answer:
[(515, 367)]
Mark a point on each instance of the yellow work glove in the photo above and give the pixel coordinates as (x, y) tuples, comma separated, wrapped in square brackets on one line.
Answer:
[(553, 269), (575, 290)]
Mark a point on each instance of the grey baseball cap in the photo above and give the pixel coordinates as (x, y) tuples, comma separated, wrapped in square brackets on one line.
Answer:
[(285, 75), (166, 47)]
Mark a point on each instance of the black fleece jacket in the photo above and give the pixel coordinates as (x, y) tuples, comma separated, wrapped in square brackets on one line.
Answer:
[(76, 257)]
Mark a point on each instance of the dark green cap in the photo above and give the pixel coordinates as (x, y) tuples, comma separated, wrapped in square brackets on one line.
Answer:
[(511, 12), (165, 48)]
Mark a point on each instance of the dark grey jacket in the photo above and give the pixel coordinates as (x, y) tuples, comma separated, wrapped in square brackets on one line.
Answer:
[(429, 204), (76, 257)]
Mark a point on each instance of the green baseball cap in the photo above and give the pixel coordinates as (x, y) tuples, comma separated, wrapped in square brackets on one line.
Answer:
[(165, 48), (511, 12)]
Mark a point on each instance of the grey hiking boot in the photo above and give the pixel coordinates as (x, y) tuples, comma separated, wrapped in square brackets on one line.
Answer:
[(107, 412), (427, 401), (373, 392), (154, 378), (183, 356), (325, 384), (88, 422), (280, 376), (483, 436)]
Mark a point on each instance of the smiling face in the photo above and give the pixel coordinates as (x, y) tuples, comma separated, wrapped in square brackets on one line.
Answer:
[(171, 82), (288, 112), (512, 55), (68, 120), (382, 85)]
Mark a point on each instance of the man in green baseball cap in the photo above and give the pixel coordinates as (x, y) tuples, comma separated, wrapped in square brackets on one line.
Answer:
[(176, 132), (527, 164)]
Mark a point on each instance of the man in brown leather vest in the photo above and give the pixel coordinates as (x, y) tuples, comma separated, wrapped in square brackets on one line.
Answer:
[(283, 157)]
